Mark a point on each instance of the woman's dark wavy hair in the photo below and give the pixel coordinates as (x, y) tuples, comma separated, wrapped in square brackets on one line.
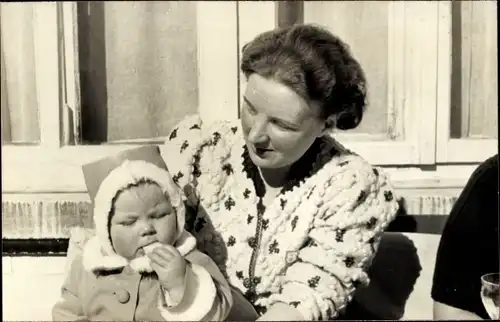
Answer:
[(316, 64)]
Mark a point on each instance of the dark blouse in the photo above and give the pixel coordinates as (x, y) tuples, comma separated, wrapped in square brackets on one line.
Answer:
[(469, 245)]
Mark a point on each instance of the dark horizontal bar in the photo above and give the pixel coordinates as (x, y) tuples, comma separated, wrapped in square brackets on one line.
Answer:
[(423, 224), (35, 247)]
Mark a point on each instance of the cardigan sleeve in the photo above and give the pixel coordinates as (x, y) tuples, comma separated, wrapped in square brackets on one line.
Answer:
[(191, 141), (190, 145), (180, 146), (353, 211)]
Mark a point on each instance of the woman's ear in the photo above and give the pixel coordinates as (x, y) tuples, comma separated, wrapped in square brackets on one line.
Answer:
[(329, 124)]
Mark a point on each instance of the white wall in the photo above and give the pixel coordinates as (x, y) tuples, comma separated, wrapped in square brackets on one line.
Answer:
[(30, 287)]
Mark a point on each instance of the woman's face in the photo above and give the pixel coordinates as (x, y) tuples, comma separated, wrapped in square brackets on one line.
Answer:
[(279, 126), (142, 215)]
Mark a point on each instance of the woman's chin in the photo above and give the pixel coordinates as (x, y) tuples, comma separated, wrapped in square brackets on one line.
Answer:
[(268, 162), (265, 160)]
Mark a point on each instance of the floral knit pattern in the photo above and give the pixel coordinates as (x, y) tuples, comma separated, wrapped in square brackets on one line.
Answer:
[(311, 247)]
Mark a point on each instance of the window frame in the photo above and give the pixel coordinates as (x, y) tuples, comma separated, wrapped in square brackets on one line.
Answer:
[(53, 166)]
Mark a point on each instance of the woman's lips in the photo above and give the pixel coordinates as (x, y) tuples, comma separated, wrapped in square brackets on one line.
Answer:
[(260, 151)]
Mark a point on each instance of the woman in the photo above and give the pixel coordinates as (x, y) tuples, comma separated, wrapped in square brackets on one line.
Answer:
[(290, 216)]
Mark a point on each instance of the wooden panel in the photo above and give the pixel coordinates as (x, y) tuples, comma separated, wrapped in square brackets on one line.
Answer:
[(44, 219)]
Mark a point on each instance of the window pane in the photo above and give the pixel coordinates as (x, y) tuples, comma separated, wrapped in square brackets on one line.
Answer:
[(355, 22), (474, 70), (19, 105), (138, 65)]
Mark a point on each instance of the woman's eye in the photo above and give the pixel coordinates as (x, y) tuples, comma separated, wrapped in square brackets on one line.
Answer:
[(284, 125), (251, 110), (159, 215)]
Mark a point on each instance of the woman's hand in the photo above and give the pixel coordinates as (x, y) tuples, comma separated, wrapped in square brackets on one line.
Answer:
[(281, 312)]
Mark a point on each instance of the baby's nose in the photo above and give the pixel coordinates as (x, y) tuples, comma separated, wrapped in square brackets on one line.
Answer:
[(148, 230)]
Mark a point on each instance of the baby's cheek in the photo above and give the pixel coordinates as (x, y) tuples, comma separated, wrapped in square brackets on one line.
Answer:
[(166, 229), (124, 241)]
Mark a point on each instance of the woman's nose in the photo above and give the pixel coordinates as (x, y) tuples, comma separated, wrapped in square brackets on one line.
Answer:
[(258, 132)]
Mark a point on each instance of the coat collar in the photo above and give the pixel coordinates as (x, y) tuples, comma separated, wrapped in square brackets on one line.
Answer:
[(96, 260)]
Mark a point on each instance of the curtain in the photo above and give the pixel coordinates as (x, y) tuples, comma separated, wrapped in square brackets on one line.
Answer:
[(474, 111), (19, 107), (137, 70), (138, 65)]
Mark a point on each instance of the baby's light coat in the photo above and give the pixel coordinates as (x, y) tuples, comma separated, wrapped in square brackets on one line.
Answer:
[(127, 295)]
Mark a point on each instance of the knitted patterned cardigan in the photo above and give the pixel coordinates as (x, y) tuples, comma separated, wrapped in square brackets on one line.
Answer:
[(311, 247)]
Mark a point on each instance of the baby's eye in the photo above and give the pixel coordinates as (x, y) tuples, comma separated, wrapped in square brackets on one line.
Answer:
[(128, 222)]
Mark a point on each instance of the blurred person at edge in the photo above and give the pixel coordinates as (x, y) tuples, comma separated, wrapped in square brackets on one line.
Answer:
[(469, 248)]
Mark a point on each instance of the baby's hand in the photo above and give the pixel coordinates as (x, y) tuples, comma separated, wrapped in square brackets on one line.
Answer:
[(171, 267)]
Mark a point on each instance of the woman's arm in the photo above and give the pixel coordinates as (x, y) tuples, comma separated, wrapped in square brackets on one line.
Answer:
[(180, 146), (353, 212)]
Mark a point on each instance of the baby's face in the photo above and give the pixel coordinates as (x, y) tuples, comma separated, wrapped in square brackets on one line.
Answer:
[(142, 215)]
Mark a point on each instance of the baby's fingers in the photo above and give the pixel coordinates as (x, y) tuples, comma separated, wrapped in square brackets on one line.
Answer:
[(157, 259), (166, 251), (157, 267)]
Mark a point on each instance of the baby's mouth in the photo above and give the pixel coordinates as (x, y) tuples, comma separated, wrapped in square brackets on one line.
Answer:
[(149, 248), (140, 252)]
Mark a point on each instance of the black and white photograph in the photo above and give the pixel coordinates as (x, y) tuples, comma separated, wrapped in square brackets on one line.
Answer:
[(249, 160)]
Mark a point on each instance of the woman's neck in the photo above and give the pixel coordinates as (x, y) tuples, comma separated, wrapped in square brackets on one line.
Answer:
[(274, 178)]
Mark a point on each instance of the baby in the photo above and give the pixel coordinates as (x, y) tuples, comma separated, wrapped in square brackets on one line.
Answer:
[(141, 264)]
